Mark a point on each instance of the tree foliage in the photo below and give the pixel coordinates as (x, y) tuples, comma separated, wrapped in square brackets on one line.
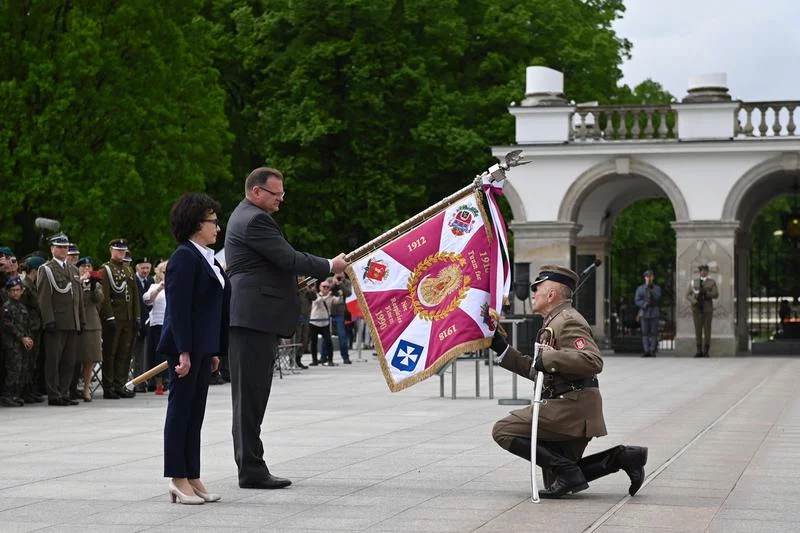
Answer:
[(373, 110)]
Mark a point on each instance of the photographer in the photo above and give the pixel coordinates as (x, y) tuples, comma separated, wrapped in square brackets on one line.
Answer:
[(648, 296), (320, 321), (702, 291), (90, 349)]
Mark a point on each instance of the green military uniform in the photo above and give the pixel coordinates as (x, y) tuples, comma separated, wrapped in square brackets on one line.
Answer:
[(120, 308), (61, 303), (16, 326), (34, 364), (701, 293), (573, 412)]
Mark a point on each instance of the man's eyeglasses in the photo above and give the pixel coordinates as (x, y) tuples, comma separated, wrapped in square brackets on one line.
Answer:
[(280, 195), (214, 221)]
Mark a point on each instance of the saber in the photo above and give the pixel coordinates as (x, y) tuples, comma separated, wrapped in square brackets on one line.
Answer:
[(547, 337), (147, 375)]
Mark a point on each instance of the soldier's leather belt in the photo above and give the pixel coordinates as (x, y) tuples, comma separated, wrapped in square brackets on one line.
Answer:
[(569, 386)]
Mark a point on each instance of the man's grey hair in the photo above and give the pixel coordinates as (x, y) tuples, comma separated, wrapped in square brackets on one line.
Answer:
[(260, 176)]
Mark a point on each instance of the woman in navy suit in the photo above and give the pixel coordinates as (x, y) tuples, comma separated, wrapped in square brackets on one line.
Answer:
[(194, 335)]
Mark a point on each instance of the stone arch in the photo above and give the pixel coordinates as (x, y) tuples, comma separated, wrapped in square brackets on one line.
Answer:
[(740, 195), (586, 182), (516, 203)]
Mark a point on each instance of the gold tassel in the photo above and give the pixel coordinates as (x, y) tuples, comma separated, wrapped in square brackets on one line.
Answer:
[(495, 316)]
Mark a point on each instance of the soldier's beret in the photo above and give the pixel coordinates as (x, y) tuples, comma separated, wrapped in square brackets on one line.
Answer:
[(59, 239), (11, 282), (703, 267), (5, 250), (73, 249), (118, 244), (141, 260), (34, 261), (556, 273), (84, 261)]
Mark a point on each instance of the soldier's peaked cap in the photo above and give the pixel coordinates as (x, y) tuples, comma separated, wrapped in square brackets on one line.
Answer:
[(59, 239), (118, 244), (703, 267), (73, 249), (558, 274), (11, 282)]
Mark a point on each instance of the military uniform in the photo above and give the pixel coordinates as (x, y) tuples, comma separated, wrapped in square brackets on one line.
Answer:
[(120, 314), (15, 326), (701, 293), (34, 364), (573, 412), (61, 302)]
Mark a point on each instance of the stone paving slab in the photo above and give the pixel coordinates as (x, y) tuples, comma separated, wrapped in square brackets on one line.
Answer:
[(723, 434)]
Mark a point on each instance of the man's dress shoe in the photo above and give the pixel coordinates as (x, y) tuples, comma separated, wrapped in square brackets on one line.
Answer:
[(269, 482), (561, 487)]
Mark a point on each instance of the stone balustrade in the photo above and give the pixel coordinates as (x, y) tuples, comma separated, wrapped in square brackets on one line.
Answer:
[(623, 123), (766, 119)]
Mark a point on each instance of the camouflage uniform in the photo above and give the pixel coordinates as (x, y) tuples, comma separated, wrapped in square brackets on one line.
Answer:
[(16, 325)]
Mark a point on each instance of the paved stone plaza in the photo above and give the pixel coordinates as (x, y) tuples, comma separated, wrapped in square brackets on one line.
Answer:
[(724, 439)]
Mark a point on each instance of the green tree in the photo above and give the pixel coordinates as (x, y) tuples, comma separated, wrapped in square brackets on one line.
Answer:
[(108, 111), (375, 110)]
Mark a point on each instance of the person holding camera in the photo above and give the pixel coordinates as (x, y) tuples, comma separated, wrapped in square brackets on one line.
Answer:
[(341, 286), (647, 298), (320, 322), (702, 290), (90, 342)]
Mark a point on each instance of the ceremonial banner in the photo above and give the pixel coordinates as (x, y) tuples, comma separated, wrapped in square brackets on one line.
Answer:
[(426, 295)]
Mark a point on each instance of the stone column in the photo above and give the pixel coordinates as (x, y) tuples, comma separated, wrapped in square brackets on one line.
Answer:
[(711, 242), (542, 243), (742, 293), (598, 245)]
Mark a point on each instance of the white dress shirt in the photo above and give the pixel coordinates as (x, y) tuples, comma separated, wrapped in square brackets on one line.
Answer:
[(208, 253)]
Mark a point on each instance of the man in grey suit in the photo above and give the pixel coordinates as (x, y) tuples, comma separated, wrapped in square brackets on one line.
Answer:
[(265, 306)]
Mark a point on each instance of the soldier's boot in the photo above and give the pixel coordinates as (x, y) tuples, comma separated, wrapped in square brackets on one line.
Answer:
[(699, 352), (298, 360), (569, 477), (631, 459), (521, 447), (705, 350)]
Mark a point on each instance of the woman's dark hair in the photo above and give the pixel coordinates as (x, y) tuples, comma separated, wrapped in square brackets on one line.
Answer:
[(189, 212)]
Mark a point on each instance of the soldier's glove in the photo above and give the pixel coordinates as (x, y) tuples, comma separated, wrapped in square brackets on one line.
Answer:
[(538, 364), (499, 344), (50, 326), (111, 324)]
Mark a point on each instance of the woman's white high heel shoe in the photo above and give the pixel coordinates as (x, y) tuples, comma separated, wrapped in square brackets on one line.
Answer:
[(207, 496), (187, 499)]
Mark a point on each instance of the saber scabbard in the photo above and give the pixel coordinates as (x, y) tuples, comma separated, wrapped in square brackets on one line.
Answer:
[(536, 401), (147, 375)]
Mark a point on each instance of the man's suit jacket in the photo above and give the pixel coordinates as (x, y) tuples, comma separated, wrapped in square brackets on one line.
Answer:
[(263, 267), (63, 309), (196, 318)]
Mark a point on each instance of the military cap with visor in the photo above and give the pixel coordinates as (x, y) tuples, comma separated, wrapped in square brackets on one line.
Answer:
[(556, 273), (59, 239), (118, 244)]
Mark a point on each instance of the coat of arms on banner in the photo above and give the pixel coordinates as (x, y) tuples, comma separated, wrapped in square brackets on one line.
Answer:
[(426, 294)]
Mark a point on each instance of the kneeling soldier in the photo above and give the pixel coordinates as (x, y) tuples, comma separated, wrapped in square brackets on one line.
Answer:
[(573, 413)]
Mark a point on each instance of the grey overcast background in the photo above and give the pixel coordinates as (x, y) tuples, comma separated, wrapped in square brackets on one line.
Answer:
[(757, 43)]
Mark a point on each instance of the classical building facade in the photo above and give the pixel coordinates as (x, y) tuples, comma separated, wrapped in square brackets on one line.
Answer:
[(716, 159)]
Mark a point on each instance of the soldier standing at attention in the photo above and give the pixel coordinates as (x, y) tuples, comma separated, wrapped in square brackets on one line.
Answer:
[(573, 413), (120, 320), (33, 382), (702, 290), (647, 298), (16, 343), (61, 302)]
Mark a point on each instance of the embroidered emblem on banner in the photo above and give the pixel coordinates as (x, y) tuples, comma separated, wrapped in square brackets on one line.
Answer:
[(375, 271), (463, 219), (438, 285), (406, 356), (580, 343)]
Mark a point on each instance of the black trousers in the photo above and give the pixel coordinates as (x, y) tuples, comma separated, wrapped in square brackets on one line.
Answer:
[(325, 331), (186, 409), (252, 357)]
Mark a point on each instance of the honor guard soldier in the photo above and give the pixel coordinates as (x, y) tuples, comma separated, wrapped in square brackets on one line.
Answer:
[(573, 413), (34, 365), (120, 316), (702, 291), (61, 302)]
